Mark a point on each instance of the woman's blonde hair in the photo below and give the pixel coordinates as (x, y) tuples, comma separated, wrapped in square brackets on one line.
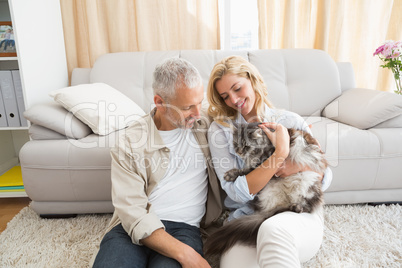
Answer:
[(235, 65)]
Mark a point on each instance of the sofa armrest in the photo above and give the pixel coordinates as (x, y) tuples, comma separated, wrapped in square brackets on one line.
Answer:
[(53, 116), (364, 108)]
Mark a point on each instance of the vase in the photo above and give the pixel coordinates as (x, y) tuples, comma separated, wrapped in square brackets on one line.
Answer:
[(397, 77)]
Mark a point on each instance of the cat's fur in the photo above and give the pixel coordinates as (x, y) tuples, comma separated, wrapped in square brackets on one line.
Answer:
[(300, 192)]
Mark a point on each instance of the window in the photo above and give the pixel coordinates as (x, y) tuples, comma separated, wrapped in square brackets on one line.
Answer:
[(238, 24)]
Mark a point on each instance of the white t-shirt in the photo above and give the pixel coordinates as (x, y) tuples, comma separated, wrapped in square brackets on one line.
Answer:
[(182, 193)]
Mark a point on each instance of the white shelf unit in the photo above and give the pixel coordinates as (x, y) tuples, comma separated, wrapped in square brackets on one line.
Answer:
[(13, 194), (11, 138), (8, 58), (43, 68)]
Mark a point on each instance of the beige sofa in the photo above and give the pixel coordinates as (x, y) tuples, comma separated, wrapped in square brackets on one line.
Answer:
[(66, 167)]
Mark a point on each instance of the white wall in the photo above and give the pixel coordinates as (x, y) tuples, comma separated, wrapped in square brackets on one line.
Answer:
[(40, 47)]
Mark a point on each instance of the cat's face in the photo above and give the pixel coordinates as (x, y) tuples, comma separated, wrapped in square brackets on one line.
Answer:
[(249, 140)]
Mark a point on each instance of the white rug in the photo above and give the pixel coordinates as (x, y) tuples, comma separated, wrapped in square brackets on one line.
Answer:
[(355, 236)]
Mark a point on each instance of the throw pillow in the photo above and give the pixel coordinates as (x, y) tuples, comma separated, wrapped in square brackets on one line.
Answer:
[(53, 116), (364, 108), (37, 132), (395, 122), (100, 106)]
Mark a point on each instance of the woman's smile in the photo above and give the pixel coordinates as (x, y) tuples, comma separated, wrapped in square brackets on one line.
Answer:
[(238, 93)]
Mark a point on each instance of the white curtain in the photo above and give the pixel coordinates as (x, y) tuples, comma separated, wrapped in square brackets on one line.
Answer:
[(349, 30), (96, 27)]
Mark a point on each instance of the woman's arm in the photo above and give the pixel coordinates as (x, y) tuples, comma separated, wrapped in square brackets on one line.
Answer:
[(224, 159), (293, 120), (260, 176)]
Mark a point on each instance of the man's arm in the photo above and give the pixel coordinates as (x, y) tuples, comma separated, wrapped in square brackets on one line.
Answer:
[(165, 244), (128, 193), (136, 214)]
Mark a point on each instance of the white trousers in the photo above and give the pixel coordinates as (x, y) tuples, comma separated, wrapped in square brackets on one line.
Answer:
[(284, 240)]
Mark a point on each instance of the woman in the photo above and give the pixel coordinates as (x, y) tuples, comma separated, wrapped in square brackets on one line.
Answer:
[(237, 93)]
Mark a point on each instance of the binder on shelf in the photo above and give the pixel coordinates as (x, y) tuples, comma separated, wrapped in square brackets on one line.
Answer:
[(9, 99), (3, 116), (19, 96)]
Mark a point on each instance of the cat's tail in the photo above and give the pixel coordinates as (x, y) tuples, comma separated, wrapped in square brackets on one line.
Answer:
[(243, 230)]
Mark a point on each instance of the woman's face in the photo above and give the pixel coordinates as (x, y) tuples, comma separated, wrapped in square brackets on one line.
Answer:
[(238, 93)]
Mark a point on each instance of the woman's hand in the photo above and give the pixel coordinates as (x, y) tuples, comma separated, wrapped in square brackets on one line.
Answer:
[(260, 176), (279, 137), (288, 168)]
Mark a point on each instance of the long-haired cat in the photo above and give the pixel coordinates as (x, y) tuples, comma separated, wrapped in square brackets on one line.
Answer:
[(300, 192)]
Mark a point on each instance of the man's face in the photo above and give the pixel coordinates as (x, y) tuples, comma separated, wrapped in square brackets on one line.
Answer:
[(185, 107)]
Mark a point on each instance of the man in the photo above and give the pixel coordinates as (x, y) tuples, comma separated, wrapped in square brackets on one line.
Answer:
[(163, 186)]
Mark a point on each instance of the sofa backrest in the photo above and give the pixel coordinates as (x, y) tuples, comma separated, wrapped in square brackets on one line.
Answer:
[(300, 80)]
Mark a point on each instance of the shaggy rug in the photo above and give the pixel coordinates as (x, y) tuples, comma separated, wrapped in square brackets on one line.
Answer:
[(354, 236)]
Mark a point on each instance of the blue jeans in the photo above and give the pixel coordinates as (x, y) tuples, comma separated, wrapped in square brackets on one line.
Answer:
[(117, 249)]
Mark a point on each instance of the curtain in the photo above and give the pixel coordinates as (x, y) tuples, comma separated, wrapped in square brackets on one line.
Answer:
[(349, 30), (95, 27)]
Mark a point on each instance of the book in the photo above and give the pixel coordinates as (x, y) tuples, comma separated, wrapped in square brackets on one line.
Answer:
[(19, 96), (12, 191), (12, 177), (3, 115), (9, 99), (11, 188)]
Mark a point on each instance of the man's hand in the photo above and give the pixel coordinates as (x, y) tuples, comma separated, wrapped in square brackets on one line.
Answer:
[(191, 259), (167, 245)]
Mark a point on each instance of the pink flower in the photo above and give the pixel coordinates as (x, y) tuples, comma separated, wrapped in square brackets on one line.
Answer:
[(379, 50), (395, 55), (390, 50)]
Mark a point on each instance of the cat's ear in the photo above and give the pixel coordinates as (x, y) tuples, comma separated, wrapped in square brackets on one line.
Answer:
[(257, 134)]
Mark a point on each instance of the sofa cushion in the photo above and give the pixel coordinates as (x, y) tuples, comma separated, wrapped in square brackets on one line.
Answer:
[(53, 116), (303, 81), (37, 132), (100, 106), (353, 154), (131, 73), (364, 108), (395, 122)]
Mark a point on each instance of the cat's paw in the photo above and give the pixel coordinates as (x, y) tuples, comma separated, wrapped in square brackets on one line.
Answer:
[(296, 208), (231, 175)]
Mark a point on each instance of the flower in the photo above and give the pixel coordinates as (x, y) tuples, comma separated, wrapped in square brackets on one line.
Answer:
[(391, 54)]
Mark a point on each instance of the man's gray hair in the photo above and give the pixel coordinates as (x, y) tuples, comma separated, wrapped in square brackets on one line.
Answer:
[(172, 74)]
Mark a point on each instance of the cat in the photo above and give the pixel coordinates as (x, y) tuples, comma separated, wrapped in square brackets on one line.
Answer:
[(300, 192)]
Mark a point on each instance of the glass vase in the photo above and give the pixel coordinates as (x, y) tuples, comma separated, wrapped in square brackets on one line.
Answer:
[(397, 77)]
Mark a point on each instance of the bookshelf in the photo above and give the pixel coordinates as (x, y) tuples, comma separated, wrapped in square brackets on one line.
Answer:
[(42, 65), (13, 194), (11, 138), (8, 58)]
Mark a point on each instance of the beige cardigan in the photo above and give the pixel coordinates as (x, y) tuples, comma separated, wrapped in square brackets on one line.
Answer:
[(137, 167)]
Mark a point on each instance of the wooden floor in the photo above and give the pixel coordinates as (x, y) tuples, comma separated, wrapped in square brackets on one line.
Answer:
[(9, 207)]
